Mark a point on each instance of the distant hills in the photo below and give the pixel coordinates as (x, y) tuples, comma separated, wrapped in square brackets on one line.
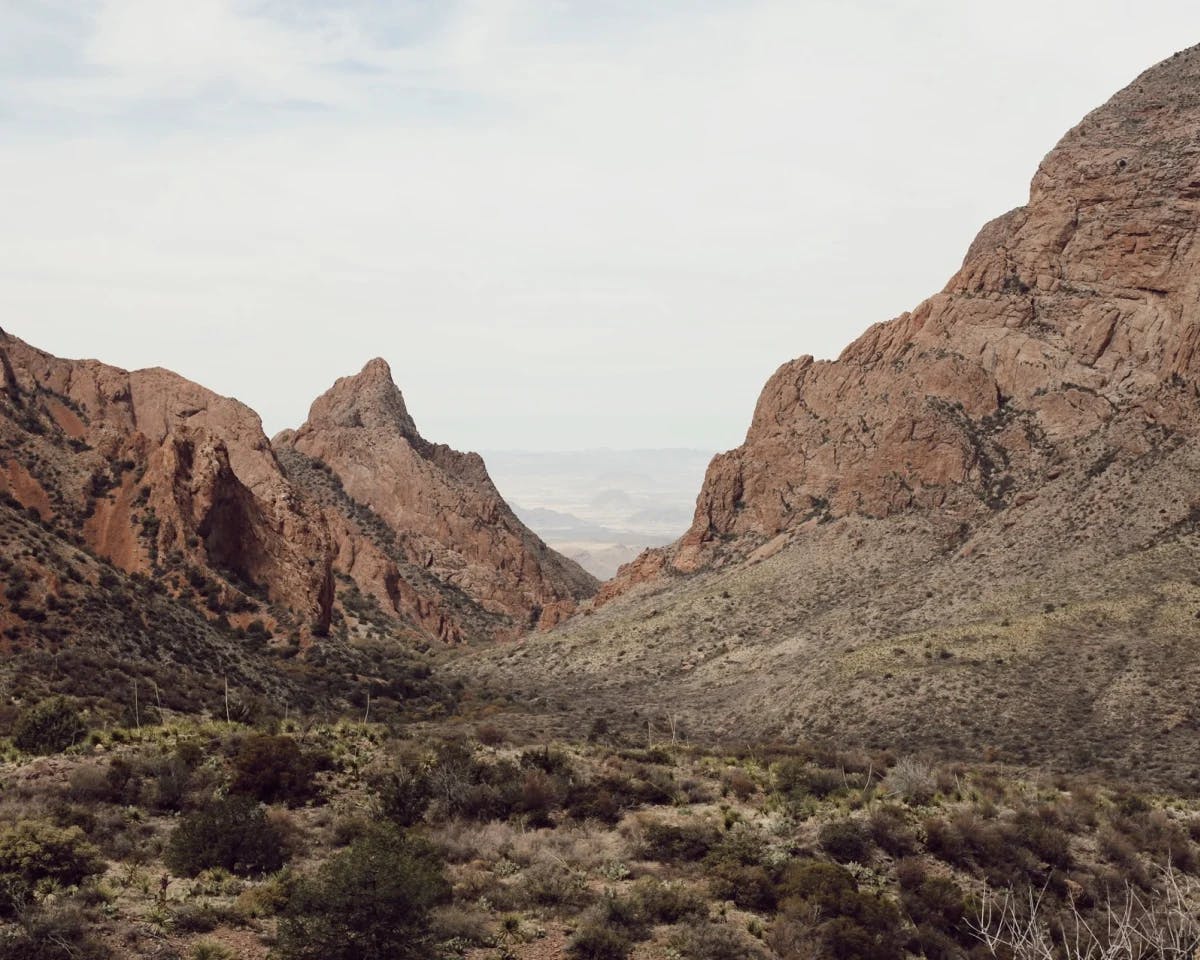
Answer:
[(602, 507)]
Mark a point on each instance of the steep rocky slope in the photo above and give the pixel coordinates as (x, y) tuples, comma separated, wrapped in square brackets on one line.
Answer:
[(152, 471), (448, 521), (976, 529), (146, 474), (1073, 319)]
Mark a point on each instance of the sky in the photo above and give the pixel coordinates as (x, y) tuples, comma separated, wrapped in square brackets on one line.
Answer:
[(565, 223)]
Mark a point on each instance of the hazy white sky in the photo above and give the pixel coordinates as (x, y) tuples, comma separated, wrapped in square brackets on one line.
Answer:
[(566, 223)]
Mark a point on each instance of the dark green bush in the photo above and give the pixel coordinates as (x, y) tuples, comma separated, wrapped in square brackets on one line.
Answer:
[(935, 901), (594, 801), (795, 780), (750, 886), (849, 923), (675, 842), (370, 902), (32, 851), (552, 762), (845, 841), (1045, 839), (890, 829), (49, 726), (273, 769), (735, 871), (404, 796), (233, 833)]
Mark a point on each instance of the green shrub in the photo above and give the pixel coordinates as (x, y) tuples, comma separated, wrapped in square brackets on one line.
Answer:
[(370, 902), (273, 769), (605, 797), (849, 923), (404, 796), (936, 902), (1047, 841), (233, 833), (49, 727), (597, 938), (594, 801), (750, 886), (552, 762), (845, 841), (736, 871), (890, 829), (795, 780), (34, 851), (671, 842)]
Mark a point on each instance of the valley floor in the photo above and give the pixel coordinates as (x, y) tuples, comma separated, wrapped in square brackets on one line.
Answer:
[(213, 840)]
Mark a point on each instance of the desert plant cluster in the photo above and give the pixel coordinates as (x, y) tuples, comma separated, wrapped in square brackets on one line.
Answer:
[(301, 840)]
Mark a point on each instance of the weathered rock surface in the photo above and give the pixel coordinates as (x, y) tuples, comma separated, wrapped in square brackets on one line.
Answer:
[(1074, 316), (976, 533), (449, 520), (163, 477), (154, 466)]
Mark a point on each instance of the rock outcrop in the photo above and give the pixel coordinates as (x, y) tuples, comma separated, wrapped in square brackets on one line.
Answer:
[(162, 477), (448, 518), (1074, 316), (152, 467), (975, 533)]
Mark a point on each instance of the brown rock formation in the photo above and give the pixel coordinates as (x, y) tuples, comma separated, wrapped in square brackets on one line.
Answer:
[(977, 531), (1072, 317), (161, 476), (151, 465), (449, 521)]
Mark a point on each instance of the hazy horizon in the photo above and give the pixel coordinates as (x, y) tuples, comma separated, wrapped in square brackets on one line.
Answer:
[(564, 226)]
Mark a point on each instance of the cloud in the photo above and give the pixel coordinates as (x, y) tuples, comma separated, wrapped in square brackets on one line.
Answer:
[(564, 223)]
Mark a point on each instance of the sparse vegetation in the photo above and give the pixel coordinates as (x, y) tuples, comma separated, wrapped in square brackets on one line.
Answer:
[(50, 726), (372, 901), (465, 846)]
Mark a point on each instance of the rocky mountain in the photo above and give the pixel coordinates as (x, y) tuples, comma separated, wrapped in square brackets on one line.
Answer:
[(435, 518), (351, 529), (1072, 322), (977, 527)]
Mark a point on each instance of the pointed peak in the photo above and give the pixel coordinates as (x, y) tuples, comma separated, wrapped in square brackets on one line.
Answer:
[(376, 368), (368, 399)]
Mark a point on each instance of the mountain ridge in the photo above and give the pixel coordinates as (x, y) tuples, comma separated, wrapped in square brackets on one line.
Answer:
[(976, 531), (1067, 314), (165, 478)]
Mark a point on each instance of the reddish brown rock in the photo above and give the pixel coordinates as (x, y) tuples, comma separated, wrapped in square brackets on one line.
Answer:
[(447, 517), (1075, 314), (152, 465), (164, 477)]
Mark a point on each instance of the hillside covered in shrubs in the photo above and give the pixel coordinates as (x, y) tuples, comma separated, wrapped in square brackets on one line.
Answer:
[(311, 840)]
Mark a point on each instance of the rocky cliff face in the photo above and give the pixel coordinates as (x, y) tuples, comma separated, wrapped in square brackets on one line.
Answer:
[(977, 531), (163, 477), (1073, 317), (156, 470), (449, 521)]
